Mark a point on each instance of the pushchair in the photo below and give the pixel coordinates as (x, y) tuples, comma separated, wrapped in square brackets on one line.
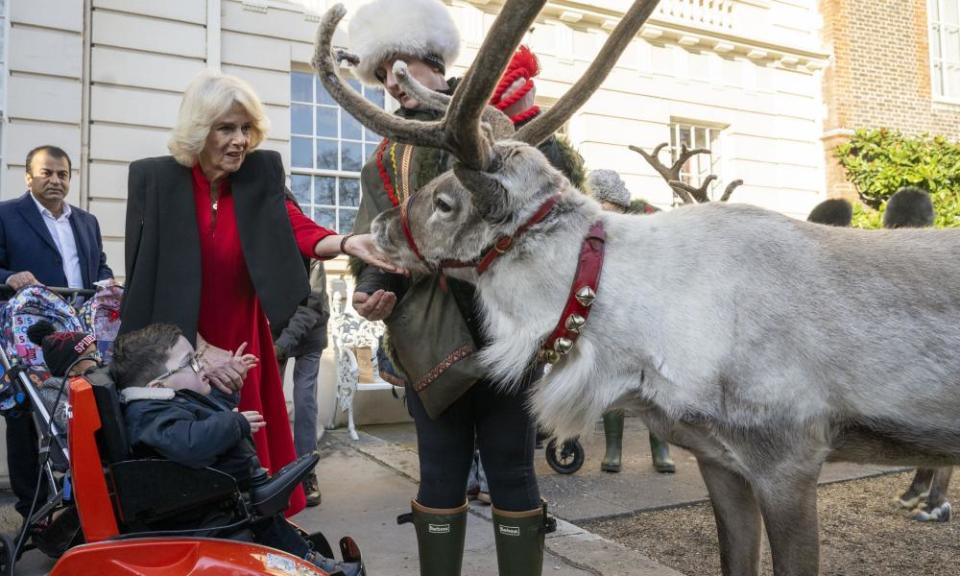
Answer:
[(26, 391), (128, 508)]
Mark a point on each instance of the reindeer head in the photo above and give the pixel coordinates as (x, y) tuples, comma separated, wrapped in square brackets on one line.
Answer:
[(500, 178)]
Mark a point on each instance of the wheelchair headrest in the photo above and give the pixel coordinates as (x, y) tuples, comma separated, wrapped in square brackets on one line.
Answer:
[(112, 436)]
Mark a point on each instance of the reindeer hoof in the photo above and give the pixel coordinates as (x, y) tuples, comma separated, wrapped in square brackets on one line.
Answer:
[(939, 514), (909, 501)]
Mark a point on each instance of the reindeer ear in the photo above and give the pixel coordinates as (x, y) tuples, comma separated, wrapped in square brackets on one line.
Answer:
[(489, 196)]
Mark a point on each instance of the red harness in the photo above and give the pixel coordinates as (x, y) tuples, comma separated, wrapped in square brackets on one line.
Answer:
[(583, 292), (586, 283)]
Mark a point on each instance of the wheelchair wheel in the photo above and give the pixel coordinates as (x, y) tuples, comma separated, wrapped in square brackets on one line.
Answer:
[(6, 555), (566, 458)]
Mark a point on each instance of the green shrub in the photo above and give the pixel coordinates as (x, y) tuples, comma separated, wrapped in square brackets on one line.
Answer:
[(879, 162)]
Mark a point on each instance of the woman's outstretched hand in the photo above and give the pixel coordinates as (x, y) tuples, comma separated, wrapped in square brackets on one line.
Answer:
[(363, 247), (227, 371)]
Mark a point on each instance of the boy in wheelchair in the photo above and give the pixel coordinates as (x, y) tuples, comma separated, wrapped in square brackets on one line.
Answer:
[(171, 410)]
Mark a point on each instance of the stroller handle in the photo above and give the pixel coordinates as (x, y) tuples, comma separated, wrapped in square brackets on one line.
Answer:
[(8, 291)]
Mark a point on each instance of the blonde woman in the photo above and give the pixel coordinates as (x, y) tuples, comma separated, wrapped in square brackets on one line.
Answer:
[(213, 247)]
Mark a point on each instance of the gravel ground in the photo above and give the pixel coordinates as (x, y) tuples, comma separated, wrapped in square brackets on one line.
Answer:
[(862, 533)]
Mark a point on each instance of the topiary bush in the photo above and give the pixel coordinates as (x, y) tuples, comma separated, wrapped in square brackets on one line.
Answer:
[(880, 162)]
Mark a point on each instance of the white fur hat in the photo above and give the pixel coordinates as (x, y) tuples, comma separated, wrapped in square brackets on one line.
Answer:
[(385, 28), (606, 185)]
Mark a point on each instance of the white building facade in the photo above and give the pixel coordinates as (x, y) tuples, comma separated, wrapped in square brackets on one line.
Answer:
[(103, 80)]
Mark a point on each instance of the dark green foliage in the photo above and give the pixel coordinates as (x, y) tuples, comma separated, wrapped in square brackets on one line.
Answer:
[(880, 162)]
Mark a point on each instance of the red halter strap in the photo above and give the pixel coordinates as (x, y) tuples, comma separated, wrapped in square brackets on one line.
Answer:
[(405, 225), (583, 291), (504, 243)]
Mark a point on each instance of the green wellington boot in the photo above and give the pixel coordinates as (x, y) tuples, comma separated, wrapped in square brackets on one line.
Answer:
[(519, 538), (613, 432), (440, 538), (660, 451)]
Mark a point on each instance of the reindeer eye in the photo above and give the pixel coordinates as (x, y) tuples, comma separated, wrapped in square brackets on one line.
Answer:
[(442, 206)]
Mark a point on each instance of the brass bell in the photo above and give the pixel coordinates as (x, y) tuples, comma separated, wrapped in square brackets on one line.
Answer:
[(586, 296), (563, 346), (550, 356), (574, 323)]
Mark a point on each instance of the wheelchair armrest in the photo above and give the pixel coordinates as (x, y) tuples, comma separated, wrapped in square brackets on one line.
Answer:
[(271, 496), (151, 489)]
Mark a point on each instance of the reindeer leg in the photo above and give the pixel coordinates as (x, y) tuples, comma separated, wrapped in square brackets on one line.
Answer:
[(937, 508), (788, 503), (738, 519), (918, 490)]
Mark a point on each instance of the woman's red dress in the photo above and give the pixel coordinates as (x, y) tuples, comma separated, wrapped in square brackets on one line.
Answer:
[(230, 314)]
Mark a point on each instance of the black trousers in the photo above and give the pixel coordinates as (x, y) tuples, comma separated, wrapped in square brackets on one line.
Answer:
[(23, 461), (495, 421)]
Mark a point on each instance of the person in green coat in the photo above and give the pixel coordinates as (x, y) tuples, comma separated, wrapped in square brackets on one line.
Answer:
[(608, 188), (433, 330)]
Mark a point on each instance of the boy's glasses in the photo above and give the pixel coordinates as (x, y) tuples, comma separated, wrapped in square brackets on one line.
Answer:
[(192, 360)]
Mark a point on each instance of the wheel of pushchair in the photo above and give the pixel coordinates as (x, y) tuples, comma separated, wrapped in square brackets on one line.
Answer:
[(566, 458), (6, 555)]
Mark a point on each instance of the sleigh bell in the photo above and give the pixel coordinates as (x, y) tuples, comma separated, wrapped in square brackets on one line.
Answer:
[(585, 296), (563, 346), (574, 323)]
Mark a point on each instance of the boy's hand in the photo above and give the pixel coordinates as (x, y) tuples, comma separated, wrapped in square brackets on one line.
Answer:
[(255, 419)]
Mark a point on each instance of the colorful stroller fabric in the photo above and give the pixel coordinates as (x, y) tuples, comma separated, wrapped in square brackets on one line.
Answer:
[(100, 316), (26, 308)]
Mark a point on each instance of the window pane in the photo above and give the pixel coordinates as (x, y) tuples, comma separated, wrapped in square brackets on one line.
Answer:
[(325, 191), (300, 186), (374, 95), (349, 192), (301, 87), (302, 152), (347, 218), (323, 97), (351, 156), (326, 217), (301, 119), (350, 128), (326, 122), (327, 154), (369, 150), (355, 84)]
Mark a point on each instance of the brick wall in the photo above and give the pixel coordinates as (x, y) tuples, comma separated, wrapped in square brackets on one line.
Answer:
[(879, 76)]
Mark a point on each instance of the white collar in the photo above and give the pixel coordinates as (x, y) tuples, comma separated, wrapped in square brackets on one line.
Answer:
[(144, 393), (43, 210)]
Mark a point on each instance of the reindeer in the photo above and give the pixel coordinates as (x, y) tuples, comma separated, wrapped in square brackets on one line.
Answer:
[(759, 343)]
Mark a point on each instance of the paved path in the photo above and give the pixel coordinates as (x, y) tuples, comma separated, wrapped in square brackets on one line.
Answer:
[(366, 484)]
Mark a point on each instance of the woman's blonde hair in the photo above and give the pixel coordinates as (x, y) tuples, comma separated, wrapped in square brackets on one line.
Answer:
[(208, 97)]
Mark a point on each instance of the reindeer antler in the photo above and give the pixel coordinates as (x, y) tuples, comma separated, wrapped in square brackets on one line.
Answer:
[(544, 126), (687, 193), (459, 131)]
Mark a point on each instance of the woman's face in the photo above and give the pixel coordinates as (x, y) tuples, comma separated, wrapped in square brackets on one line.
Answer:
[(227, 142), (420, 70)]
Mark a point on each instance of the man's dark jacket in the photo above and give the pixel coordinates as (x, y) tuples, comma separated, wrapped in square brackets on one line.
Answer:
[(26, 244), (190, 429), (163, 242)]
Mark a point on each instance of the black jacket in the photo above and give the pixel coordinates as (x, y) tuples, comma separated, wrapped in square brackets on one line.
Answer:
[(307, 329), (190, 429), (163, 243)]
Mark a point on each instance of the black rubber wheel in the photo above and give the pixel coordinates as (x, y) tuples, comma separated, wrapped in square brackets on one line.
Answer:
[(6, 555), (567, 458)]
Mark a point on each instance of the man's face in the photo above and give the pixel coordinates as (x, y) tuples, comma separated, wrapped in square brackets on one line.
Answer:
[(182, 375), (420, 70), (48, 179), (227, 142)]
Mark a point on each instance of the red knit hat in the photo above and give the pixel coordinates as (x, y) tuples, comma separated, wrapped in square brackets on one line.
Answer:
[(60, 349), (523, 66)]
